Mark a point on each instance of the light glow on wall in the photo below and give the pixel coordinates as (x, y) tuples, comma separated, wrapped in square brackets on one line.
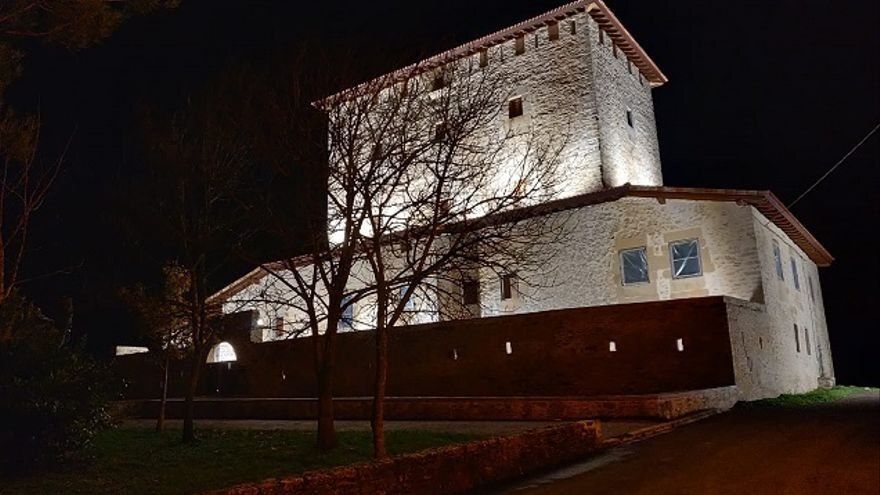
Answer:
[(222, 353)]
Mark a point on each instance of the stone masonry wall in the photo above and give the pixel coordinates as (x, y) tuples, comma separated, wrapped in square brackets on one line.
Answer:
[(447, 470), (587, 268), (790, 370), (630, 153)]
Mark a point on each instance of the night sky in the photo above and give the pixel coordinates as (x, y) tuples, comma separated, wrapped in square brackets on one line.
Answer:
[(762, 95)]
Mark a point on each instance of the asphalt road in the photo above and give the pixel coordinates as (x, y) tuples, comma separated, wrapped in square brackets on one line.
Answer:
[(833, 448)]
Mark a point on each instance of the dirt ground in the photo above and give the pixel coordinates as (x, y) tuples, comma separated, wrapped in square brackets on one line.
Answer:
[(833, 448)]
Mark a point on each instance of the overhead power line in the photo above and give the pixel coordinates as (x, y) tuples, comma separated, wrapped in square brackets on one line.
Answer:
[(832, 169)]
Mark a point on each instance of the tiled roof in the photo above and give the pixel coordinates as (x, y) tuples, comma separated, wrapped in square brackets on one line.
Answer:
[(597, 10)]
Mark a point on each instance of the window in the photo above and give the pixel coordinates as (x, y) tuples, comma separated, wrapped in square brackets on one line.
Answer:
[(629, 66), (679, 344), (439, 82), (794, 274), (279, 327), (812, 291), (572, 26), (612, 346), (777, 258), (508, 348), (441, 132), (685, 257), (634, 266), (515, 107), (508, 283), (614, 49), (484, 58), (797, 339), (520, 45), (553, 31), (601, 37), (346, 319), (807, 342), (471, 292), (410, 304), (629, 117)]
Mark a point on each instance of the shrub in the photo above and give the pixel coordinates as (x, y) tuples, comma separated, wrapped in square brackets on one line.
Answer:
[(53, 397)]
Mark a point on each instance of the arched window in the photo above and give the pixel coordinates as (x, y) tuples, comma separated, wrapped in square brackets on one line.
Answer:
[(221, 353)]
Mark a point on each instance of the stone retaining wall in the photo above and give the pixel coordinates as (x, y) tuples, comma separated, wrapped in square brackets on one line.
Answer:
[(651, 406), (446, 470)]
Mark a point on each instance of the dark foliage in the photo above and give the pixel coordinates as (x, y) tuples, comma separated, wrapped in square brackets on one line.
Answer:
[(54, 397)]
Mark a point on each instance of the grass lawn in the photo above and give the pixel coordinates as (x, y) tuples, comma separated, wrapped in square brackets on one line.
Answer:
[(140, 461), (817, 396)]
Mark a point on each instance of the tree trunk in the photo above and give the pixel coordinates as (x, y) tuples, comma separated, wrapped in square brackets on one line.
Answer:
[(378, 419), (326, 427), (189, 434), (160, 421)]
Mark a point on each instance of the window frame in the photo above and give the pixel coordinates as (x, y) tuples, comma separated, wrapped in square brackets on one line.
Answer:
[(623, 281), (672, 258), (795, 277)]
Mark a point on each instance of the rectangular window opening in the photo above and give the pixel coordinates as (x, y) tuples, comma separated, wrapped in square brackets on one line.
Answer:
[(777, 259), (807, 342), (441, 132), (508, 284), (520, 45), (795, 277), (553, 31), (346, 319), (601, 36), (440, 81), (484, 58), (455, 354), (634, 266), (797, 339), (629, 118), (508, 348), (685, 258), (471, 292), (515, 107), (679, 344), (572, 26), (612, 346)]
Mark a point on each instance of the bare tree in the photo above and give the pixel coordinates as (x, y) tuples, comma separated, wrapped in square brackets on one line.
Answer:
[(26, 180), (432, 179), (164, 317), (449, 177), (192, 199)]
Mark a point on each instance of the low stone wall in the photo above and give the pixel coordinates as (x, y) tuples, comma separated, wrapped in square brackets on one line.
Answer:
[(650, 406), (448, 470)]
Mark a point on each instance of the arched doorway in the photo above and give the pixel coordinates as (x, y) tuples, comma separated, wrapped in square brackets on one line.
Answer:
[(220, 373)]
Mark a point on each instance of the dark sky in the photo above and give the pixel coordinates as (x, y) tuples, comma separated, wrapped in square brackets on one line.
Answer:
[(762, 95)]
